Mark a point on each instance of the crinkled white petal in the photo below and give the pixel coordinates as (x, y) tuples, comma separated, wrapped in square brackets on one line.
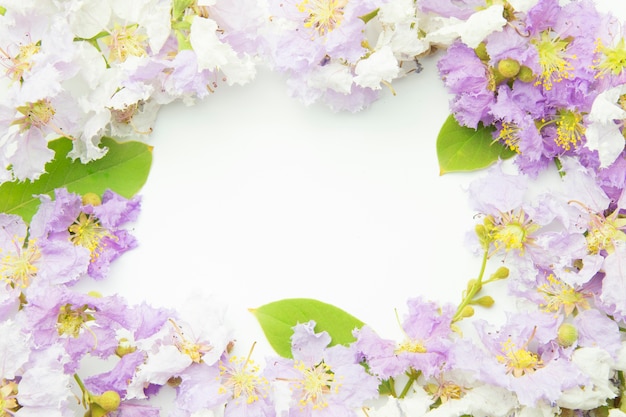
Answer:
[(603, 133), (14, 349), (334, 75), (472, 31), (157, 369), (481, 400), (211, 52), (90, 18), (596, 364), (380, 66), (397, 11)]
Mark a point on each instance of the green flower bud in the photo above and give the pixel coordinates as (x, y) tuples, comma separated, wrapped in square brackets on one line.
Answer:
[(92, 199), (567, 335), (474, 286), (124, 347), (481, 51), (501, 273), (525, 74), (508, 67), (468, 311), (485, 301), (108, 401), (484, 236)]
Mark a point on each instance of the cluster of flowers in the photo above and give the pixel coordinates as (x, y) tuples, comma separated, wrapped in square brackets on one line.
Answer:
[(561, 352), (85, 69), (550, 83), (547, 78)]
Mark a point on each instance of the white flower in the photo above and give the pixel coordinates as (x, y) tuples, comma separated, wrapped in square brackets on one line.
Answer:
[(595, 363), (334, 75), (471, 31), (214, 55), (381, 66), (603, 134)]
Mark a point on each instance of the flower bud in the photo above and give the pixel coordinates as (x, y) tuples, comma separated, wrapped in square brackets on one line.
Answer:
[(525, 74), (481, 51), (473, 285), (124, 347), (508, 67), (567, 335), (108, 401), (483, 236), (501, 273), (485, 301), (91, 199), (468, 311)]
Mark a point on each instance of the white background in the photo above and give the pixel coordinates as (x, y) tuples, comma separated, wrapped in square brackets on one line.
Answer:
[(254, 197)]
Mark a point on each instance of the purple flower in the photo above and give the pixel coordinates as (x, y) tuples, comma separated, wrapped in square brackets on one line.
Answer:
[(95, 229), (521, 357), (321, 380)]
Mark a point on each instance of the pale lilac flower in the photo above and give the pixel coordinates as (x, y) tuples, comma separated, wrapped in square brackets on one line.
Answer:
[(322, 381), (96, 229), (520, 357)]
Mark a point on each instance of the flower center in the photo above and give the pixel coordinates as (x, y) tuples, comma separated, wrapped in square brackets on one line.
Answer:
[(87, 232), (316, 383), (603, 232), (72, 319), (511, 231), (37, 114), (553, 59), (188, 347), (124, 42), (411, 346), (8, 400), (323, 15), (569, 129), (612, 60), (520, 361), (19, 269), (558, 294), (22, 61), (240, 376)]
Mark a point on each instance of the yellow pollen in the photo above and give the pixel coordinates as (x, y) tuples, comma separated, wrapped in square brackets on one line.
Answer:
[(511, 232), (559, 295), (509, 134), (124, 42), (445, 391), (20, 63), (18, 269), (37, 114), (411, 346), (71, 320), (603, 232), (612, 60), (518, 362), (87, 232), (188, 347), (569, 129), (241, 377), (317, 382), (8, 398), (553, 58), (323, 15)]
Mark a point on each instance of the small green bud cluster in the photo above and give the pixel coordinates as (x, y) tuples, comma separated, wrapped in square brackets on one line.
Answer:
[(509, 69)]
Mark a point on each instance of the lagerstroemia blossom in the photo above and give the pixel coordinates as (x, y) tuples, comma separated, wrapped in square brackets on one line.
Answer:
[(546, 77)]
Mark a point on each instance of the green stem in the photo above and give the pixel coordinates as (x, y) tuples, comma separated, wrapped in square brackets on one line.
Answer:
[(469, 296), (86, 394), (413, 375)]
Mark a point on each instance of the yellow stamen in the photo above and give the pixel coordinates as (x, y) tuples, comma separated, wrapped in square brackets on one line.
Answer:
[(323, 15), (188, 347), (519, 362), (559, 295), (553, 58), (612, 60), (124, 42), (241, 378), (18, 269), (317, 382)]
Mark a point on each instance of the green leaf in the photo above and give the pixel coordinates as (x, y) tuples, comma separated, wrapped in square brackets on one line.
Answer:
[(460, 148), (369, 16), (278, 318), (124, 169)]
